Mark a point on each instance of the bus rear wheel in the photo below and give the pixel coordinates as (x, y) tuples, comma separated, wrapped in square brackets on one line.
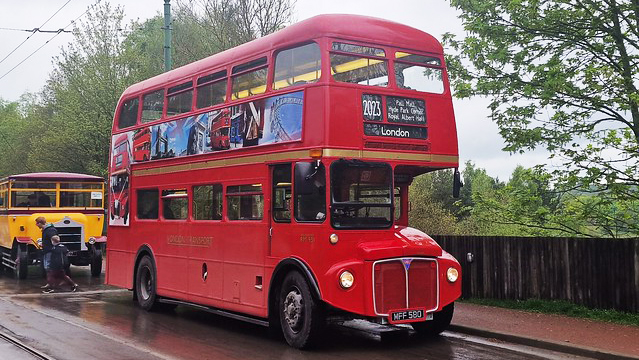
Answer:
[(22, 263), (440, 322), (301, 316), (145, 284)]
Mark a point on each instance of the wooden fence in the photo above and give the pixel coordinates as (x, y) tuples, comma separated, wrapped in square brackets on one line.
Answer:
[(597, 273)]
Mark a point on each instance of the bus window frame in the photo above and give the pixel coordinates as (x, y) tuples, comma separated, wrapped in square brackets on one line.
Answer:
[(186, 196), (168, 94), (119, 113), (441, 67), (226, 207), (268, 60), (137, 203), (386, 58), (214, 80), (164, 104), (57, 190), (271, 78), (192, 202)]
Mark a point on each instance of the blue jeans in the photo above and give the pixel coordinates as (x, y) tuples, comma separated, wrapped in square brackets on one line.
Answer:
[(46, 260)]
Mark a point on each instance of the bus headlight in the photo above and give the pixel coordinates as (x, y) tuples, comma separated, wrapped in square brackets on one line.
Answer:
[(452, 274), (91, 240), (346, 279)]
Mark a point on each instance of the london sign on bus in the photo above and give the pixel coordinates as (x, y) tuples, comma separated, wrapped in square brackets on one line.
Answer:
[(274, 181)]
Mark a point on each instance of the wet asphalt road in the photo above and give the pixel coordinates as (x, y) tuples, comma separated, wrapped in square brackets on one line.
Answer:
[(102, 322)]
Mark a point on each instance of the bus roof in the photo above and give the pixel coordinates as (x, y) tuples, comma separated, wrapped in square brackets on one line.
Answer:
[(54, 176), (355, 27)]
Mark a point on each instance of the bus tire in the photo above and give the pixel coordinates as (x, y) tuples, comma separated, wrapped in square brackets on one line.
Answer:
[(146, 285), (96, 263), (301, 316), (22, 263), (440, 322)]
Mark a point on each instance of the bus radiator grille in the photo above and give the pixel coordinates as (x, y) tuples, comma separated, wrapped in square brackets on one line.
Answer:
[(71, 237), (405, 283)]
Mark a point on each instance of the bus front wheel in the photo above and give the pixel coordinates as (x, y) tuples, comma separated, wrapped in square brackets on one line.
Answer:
[(301, 316), (440, 322), (96, 263), (145, 284)]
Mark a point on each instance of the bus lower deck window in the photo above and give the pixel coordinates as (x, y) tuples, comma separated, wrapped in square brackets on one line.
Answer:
[(245, 202), (207, 202), (148, 203)]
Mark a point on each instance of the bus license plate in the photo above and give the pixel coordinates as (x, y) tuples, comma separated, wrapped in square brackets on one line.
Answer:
[(408, 315)]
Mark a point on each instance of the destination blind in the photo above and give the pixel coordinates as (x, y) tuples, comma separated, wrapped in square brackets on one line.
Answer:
[(398, 110)]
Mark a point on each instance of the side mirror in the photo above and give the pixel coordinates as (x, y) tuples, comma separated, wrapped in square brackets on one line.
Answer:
[(457, 183), (304, 172)]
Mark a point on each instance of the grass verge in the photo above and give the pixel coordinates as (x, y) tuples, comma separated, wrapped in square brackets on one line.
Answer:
[(562, 308)]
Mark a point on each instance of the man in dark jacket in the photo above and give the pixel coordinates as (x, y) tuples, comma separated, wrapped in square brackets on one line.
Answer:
[(48, 231)]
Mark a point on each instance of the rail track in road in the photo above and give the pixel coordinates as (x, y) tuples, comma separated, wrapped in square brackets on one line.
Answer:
[(17, 347)]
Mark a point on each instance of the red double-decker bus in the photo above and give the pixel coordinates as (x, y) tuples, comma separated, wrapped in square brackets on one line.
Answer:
[(142, 145), (119, 177), (305, 215), (220, 128)]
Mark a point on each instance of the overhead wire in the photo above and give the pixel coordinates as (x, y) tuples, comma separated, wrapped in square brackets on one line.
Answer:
[(34, 31), (53, 37)]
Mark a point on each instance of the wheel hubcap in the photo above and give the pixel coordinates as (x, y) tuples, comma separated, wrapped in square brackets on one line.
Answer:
[(146, 284), (293, 309)]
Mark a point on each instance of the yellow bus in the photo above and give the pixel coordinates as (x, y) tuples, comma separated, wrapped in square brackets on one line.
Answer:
[(73, 203)]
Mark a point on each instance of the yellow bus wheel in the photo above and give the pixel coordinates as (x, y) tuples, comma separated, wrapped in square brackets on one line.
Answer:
[(22, 263)]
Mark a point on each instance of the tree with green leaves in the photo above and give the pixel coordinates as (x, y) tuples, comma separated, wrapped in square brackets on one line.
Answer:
[(429, 211), (562, 75), (206, 27), (80, 96), (69, 126)]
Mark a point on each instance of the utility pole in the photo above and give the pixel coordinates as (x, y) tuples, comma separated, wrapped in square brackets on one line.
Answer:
[(167, 35)]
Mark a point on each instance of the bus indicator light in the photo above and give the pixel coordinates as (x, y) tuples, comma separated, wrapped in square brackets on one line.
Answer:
[(333, 239), (315, 153)]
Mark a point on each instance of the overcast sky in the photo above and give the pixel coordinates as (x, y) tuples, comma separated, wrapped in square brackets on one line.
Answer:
[(479, 140)]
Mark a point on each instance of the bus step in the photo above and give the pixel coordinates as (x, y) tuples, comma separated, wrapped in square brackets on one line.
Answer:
[(8, 261), (217, 311)]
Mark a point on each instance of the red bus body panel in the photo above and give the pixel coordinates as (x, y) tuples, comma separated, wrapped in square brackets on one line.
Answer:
[(240, 257)]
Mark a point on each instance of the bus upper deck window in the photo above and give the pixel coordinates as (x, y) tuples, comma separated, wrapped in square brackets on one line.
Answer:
[(362, 65), (297, 66), (419, 72), (211, 89), (249, 83), (180, 99), (128, 113), (152, 106)]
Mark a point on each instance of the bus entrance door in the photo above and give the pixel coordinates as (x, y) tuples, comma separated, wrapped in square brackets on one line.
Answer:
[(280, 208)]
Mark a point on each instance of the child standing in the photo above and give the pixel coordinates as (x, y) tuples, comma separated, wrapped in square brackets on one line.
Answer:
[(55, 273)]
